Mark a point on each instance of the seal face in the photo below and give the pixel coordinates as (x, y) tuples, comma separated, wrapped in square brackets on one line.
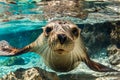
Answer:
[(61, 47), (61, 36)]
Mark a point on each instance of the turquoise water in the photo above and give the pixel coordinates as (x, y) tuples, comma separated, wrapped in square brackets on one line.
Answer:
[(19, 36), (19, 33)]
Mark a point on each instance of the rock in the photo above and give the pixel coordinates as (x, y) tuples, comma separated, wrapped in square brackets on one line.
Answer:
[(115, 34), (30, 74), (92, 76), (96, 36), (100, 35), (80, 76), (74, 8), (113, 50), (108, 78), (114, 55)]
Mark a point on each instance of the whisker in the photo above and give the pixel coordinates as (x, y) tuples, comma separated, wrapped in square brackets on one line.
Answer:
[(43, 48), (76, 53), (71, 59), (51, 52), (47, 53)]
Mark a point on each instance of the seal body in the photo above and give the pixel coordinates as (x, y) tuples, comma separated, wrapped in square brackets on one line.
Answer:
[(61, 47), (58, 44)]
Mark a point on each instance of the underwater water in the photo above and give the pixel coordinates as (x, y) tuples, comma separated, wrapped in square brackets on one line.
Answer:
[(20, 25), (19, 33), (19, 37)]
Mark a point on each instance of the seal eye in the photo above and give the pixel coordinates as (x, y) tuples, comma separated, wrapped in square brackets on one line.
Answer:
[(48, 30), (75, 31)]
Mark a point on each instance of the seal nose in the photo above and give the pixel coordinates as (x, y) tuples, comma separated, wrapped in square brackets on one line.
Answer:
[(62, 38)]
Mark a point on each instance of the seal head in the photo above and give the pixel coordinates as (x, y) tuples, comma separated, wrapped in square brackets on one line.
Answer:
[(61, 36)]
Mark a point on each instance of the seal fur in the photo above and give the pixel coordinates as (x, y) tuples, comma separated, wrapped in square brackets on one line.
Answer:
[(61, 47)]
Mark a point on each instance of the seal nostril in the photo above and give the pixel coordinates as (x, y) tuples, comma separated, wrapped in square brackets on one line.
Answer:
[(62, 38)]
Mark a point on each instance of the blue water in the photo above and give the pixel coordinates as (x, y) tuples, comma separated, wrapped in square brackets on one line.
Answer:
[(19, 33), (27, 33), (19, 36)]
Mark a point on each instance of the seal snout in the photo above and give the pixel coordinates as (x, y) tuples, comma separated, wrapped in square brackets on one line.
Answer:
[(62, 38)]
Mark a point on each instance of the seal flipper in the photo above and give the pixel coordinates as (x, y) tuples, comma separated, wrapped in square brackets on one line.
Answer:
[(7, 50), (98, 67)]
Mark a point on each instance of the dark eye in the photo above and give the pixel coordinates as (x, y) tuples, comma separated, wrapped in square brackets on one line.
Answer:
[(75, 31), (48, 30)]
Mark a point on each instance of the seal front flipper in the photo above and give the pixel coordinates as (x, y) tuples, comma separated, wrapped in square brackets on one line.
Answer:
[(98, 67), (7, 50)]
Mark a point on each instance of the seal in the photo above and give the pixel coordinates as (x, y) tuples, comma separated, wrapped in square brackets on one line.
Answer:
[(61, 46)]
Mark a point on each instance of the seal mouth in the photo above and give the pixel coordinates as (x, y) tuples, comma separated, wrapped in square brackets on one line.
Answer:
[(60, 51)]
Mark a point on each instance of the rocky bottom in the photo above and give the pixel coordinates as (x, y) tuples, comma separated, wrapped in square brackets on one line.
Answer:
[(40, 74), (30, 74)]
